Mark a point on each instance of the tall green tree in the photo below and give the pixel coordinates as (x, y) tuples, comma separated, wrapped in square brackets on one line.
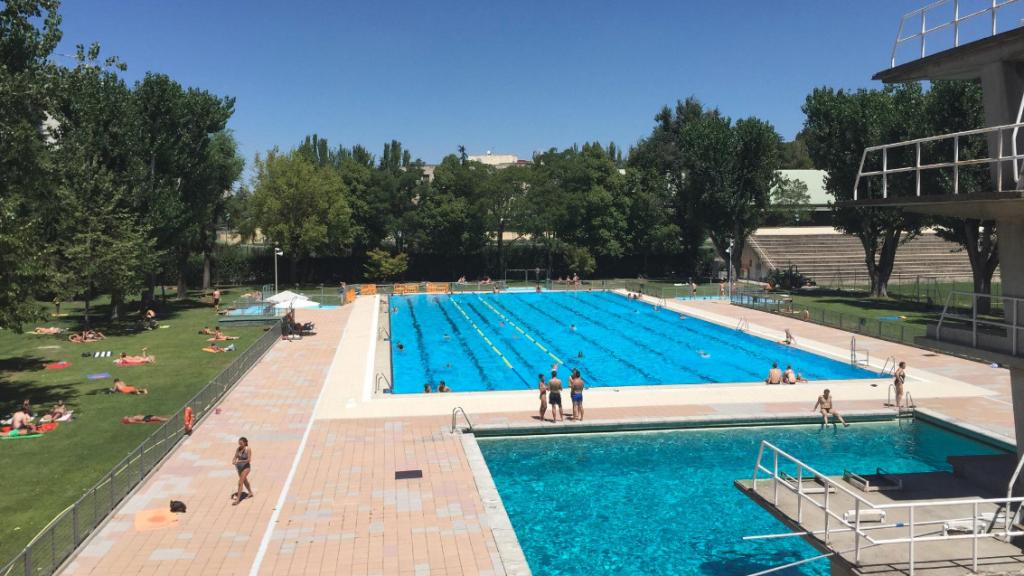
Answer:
[(29, 32), (301, 207), (790, 200), (839, 125)]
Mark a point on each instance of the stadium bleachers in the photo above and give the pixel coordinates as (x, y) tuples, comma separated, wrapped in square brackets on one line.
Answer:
[(825, 255)]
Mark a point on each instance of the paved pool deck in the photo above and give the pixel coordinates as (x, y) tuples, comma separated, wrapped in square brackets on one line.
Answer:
[(327, 447)]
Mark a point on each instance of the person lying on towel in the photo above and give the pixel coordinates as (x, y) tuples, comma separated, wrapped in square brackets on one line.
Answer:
[(87, 336), (121, 387), (213, 348), (143, 419), (48, 330), (126, 360)]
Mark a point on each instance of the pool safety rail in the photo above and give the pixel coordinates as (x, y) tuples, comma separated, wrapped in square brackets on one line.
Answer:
[(59, 539), (859, 356), (455, 412), (786, 473), (915, 25), (937, 161), (995, 323)]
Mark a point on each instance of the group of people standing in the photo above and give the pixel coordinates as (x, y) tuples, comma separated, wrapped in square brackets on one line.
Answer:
[(551, 393)]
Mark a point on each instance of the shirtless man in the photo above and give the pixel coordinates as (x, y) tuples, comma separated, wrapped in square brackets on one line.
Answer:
[(774, 375), (555, 396), (824, 404), (22, 422)]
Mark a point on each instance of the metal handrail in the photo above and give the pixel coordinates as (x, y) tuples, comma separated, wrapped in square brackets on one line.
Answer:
[(854, 360), (457, 410), (998, 159), (861, 504), (743, 325), (377, 387), (890, 361), (1011, 325), (923, 30)]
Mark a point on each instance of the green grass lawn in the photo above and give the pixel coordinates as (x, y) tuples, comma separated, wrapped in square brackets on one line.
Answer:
[(860, 304), (42, 476)]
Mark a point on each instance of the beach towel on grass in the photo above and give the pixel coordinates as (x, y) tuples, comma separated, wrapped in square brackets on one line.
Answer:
[(99, 376), (57, 365)]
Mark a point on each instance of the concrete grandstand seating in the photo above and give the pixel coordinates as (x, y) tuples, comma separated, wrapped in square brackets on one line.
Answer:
[(826, 255)]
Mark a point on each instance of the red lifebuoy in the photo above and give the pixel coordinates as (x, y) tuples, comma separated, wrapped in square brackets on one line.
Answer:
[(188, 420)]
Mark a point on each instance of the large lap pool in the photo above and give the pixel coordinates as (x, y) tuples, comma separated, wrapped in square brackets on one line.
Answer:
[(502, 341), (664, 502)]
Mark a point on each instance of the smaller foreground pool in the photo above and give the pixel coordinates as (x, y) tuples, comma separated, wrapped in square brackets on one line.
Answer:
[(664, 502)]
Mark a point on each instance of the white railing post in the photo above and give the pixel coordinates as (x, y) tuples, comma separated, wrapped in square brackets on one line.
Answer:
[(956, 23), (956, 165), (757, 466), (917, 167), (923, 28), (775, 489), (800, 493), (974, 541), (826, 514), (911, 526), (885, 168), (856, 532), (999, 163), (995, 6)]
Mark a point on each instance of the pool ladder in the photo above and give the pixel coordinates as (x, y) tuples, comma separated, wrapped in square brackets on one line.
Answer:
[(382, 379), (889, 368), (908, 404), (459, 410), (855, 358), (743, 325)]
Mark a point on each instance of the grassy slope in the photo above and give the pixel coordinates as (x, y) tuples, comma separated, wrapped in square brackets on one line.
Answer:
[(55, 470)]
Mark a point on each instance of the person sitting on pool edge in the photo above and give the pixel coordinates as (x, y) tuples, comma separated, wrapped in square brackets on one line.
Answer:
[(442, 387), (791, 377), (825, 404), (774, 375)]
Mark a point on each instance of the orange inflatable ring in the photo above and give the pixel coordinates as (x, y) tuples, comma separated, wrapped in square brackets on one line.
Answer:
[(188, 420)]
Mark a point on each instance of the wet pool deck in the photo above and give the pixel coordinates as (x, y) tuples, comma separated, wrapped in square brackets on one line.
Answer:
[(326, 449)]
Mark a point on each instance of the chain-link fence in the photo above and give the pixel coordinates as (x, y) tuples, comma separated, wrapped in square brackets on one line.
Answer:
[(45, 553), (894, 329)]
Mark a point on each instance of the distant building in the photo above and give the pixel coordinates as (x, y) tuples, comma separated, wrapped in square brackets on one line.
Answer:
[(497, 160)]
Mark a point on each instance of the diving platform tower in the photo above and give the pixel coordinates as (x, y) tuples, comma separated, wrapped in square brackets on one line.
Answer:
[(927, 175)]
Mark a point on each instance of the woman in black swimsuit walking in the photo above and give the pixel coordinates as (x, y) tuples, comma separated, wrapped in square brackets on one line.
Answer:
[(243, 464)]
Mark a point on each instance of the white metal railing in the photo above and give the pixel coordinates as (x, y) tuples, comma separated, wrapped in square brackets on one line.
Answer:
[(922, 31), (889, 368), (1010, 320), (855, 355), (1003, 134), (743, 325), (382, 384), (838, 523)]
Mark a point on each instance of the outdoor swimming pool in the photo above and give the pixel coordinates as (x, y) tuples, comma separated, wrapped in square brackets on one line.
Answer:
[(664, 502), (502, 341)]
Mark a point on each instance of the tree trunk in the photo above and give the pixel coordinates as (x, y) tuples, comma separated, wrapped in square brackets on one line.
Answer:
[(982, 244), (501, 248), (879, 271), (207, 261), (116, 300), (293, 268), (88, 297), (182, 276)]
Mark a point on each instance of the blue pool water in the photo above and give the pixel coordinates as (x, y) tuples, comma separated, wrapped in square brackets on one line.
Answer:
[(664, 503), (502, 341)]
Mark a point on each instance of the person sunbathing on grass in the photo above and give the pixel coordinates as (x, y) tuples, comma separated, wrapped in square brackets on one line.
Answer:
[(219, 336), (143, 419), (206, 331), (217, 349), (145, 358), (87, 336), (22, 422), (122, 388), (48, 330)]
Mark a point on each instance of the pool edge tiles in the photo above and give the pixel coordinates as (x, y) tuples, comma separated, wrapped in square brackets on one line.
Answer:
[(510, 553)]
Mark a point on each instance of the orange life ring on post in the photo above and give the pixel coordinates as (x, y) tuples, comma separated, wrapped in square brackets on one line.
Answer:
[(189, 418)]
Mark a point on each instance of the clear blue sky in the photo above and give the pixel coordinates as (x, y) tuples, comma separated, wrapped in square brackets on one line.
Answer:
[(513, 78)]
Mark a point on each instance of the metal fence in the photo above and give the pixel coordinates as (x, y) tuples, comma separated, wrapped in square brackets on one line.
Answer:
[(55, 543), (894, 330)]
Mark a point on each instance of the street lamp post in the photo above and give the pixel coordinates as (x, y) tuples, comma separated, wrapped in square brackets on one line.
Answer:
[(277, 252), (728, 266)]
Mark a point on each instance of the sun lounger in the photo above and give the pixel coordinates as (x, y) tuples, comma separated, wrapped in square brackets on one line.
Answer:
[(880, 481)]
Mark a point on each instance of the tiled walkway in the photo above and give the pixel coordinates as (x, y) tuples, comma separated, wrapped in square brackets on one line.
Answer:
[(271, 406)]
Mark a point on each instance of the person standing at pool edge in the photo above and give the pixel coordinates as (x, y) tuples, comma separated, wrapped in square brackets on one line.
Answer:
[(542, 387), (899, 379), (555, 396), (576, 394)]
